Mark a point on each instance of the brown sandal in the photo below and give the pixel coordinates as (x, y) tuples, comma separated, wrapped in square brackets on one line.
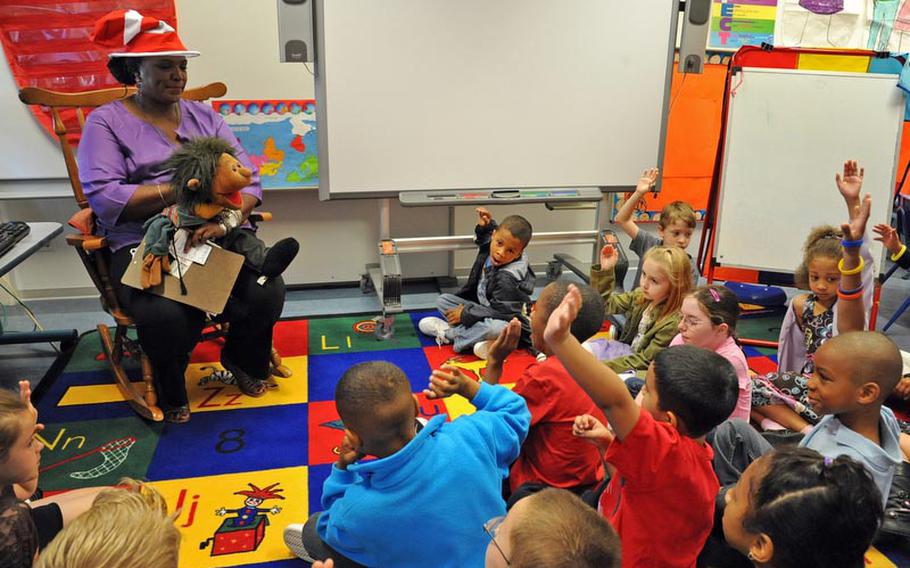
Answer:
[(179, 415), (248, 385)]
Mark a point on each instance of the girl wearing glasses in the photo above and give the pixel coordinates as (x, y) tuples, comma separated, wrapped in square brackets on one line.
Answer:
[(708, 320)]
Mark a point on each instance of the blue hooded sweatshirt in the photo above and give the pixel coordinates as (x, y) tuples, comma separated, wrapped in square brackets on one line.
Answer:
[(425, 505)]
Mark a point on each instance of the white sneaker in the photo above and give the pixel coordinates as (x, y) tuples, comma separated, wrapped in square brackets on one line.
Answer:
[(482, 349), (293, 539), (541, 357), (434, 327)]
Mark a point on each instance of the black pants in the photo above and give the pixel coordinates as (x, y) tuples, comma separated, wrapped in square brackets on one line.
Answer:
[(169, 330), (319, 549), (246, 244)]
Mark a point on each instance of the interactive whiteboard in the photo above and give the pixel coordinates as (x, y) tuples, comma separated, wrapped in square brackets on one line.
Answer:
[(419, 95)]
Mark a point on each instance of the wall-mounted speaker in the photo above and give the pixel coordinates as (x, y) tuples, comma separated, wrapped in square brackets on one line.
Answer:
[(696, 24), (295, 31)]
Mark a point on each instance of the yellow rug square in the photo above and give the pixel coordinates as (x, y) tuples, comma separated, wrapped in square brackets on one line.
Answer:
[(220, 526)]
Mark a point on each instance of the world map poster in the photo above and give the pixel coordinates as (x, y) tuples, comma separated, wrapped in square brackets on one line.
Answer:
[(279, 136)]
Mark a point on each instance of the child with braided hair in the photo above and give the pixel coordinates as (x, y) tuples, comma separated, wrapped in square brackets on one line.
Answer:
[(780, 400)]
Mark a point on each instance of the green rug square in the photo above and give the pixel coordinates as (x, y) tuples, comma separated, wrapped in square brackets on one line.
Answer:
[(96, 452), (87, 352), (356, 334), (765, 327), (766, 351)]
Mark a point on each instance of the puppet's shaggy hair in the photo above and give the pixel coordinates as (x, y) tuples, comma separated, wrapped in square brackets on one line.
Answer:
[(196, 159)]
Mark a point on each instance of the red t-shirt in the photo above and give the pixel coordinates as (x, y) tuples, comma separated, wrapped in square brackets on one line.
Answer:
[(551, 454), (661, 500)]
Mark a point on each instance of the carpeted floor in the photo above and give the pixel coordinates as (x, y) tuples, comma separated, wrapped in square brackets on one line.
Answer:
[(288, 437), (286, 440)]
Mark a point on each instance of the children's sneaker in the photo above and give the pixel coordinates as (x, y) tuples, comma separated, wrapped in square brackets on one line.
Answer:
[(293, 539), (482, 349), (434, 327)]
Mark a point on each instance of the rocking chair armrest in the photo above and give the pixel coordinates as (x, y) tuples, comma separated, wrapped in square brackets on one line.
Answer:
[(86, 242)]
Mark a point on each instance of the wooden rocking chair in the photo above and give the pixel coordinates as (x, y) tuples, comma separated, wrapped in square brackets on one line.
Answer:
[(96, 255)]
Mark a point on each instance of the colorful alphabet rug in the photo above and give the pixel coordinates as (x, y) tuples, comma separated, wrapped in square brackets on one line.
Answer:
[(242, 468)]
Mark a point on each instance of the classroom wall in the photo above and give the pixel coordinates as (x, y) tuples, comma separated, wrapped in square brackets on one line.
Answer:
[(337, 238)]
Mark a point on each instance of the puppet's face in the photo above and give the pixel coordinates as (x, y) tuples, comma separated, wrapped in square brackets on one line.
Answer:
[(231, 177)]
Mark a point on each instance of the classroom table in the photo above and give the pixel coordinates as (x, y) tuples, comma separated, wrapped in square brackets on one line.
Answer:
[(39, 235)]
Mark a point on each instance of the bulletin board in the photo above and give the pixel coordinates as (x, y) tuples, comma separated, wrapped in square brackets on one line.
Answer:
[(735, 23), (853, 24), (841, 24)]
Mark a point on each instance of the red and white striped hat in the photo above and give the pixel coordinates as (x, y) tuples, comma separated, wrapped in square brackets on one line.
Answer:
[(140, 35)]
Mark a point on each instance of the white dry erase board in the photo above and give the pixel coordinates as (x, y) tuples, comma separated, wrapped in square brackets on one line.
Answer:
[(419, 95), (788, 133)]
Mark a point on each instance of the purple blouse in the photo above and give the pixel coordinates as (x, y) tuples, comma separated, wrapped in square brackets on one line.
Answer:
[(119, 151)]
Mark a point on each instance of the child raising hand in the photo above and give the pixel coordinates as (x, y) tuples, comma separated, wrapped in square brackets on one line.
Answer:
[(674, 227), (662, 463), (498, 289), (651, 310), (837, 271), (483, 216)]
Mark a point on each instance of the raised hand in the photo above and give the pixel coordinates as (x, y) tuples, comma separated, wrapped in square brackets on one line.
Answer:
[(560, 322), (902, 390), (851, 309), (608, 256), (851, 182), (856, 228), (483, 216), (647, 180), (592, 430), (505, 343), (887, 235), (25, 395), (449, 380)]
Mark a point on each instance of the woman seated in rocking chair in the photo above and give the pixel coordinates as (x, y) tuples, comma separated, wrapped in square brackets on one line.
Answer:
[(123, 147)]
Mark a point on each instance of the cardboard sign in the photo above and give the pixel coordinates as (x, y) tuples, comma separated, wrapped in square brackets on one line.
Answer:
[(207, 285)]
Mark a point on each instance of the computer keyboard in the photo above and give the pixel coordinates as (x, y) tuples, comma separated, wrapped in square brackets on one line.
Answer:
[(11, 232)]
